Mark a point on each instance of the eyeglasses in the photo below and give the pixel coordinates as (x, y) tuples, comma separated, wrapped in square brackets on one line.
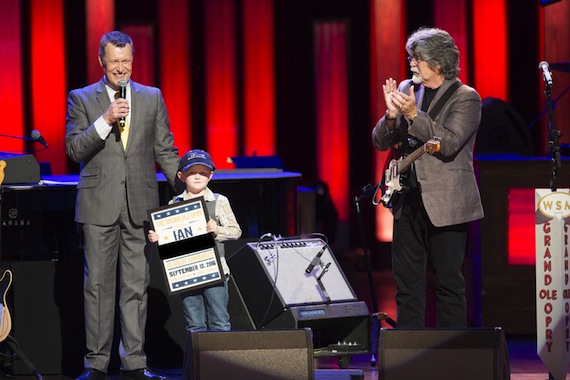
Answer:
[(410, 59)]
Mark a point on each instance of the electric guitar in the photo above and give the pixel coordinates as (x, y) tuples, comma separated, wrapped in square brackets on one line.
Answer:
[(5, 319), (391, 184)]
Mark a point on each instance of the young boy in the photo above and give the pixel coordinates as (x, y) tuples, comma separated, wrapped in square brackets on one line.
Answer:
[(206, 309)]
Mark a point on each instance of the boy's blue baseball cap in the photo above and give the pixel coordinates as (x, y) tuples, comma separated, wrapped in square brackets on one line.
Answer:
[(196, 157)]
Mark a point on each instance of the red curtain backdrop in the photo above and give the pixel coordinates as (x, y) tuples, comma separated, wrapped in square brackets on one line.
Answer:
[(490, 48), (221, 73), (11, 97), (542, 138), (332, 112), (259, 84), (41, 104), (100, 19), (48, 92), (143, 60), (387, 40), (456, 26), (174, 68)]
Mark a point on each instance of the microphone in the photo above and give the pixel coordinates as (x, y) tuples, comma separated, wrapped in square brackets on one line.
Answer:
[(316, 260), (37, 137), (123, 95), (546, 74)]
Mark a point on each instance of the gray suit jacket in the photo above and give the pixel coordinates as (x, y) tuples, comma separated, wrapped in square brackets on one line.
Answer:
[(106, 167), (448, 186)]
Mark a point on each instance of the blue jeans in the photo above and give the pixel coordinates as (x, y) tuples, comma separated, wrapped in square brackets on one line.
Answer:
[(207, 309)]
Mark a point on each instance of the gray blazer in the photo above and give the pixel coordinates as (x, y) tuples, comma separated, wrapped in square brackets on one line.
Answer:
[(448, 186), (107, 169)]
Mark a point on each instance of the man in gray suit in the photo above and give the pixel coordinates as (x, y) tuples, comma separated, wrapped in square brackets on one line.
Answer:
[(431, 217), (117, 143)]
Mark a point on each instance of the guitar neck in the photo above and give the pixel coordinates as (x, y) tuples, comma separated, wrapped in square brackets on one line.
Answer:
[(404, 165)]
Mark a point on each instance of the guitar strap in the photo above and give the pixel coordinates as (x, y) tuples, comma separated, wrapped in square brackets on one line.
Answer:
[(444, 98)]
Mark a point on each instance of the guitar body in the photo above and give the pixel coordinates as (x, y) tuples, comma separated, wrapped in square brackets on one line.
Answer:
[(5, 318), (392, 182), (394, 176)]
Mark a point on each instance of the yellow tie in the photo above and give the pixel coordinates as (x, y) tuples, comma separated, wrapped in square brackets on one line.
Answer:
[(125, 133), (124, 130)]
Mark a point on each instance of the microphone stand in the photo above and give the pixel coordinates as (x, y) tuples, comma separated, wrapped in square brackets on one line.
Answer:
[(554, 139), (321, 285), (553, 145), (367, 191)]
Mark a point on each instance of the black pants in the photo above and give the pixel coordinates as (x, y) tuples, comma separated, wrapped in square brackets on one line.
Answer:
[(415, 239)]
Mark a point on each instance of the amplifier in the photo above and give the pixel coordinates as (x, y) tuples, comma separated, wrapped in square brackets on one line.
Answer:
[(20, 168), (272, 289), (272, 276)]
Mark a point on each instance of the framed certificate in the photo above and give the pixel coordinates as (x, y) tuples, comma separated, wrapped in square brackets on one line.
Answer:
[(188, 253)]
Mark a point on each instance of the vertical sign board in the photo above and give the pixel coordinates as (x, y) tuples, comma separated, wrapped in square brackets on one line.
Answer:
[(552, 280), (188, 252)]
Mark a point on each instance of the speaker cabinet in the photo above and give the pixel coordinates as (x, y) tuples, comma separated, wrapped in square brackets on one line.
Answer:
[(273, 290), (271, 277), (443, 354), (20, 168), (249, 355)]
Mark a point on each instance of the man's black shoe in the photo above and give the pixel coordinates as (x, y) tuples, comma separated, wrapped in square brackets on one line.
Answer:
[(92, 374), (140, 374)]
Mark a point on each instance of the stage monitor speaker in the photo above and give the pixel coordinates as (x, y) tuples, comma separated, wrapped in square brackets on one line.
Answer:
[(249, 355), (443, 354), (20, 169), (502, 130), (271, 277)]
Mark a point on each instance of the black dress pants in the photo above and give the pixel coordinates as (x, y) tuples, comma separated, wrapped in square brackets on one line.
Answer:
[(415, 241)]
